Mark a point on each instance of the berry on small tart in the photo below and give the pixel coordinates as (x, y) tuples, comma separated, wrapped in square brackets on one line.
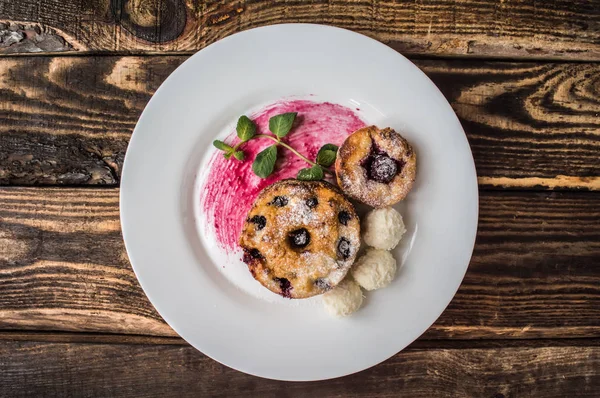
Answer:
[(376, 166), (300, 238)]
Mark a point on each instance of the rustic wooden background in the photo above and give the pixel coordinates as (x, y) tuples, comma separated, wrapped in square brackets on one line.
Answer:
[(523, 77)]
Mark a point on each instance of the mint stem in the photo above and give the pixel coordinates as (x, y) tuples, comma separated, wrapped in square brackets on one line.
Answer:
[(283, 144)]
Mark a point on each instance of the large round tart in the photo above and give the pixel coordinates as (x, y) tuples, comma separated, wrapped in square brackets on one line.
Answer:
[(300, 237)]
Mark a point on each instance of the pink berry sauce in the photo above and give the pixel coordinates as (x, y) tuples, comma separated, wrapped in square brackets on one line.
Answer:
[(231, 187)]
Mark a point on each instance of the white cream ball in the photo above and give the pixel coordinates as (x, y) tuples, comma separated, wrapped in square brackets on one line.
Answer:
[(374, 269), (383, 228), (344, 299)]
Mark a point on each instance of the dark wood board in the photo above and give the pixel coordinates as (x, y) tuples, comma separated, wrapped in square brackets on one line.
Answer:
[(63, 267), (68, 120), (563, 29), (124, 370), (523, 78)]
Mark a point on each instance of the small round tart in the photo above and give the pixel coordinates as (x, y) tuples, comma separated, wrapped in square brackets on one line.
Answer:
[(376, 167), (300, 237)]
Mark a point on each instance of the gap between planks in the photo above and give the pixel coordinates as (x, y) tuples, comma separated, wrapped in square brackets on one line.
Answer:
[(409, 56), (485, 184), (102, 338)]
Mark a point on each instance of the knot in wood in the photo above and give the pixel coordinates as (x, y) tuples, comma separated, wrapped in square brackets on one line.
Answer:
[(149, 20)]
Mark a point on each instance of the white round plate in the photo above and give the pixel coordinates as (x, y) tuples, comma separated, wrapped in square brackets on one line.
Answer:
[(200, 101)]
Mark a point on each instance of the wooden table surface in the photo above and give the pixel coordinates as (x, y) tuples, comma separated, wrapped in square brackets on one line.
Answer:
[(523, 76)]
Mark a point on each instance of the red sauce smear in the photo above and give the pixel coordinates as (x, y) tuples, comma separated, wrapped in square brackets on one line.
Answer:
[(231, 186)]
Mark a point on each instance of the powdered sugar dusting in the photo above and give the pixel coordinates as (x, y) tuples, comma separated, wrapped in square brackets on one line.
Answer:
[(323, 265), (299, 213), (231, 187)]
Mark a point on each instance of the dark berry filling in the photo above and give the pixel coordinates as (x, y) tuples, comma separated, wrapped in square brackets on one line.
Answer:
[(343, 248), (322, 284), (299, 238), (344, 217), (380, 166), (312, 203), (250, 255), (279, 201), (285, 286), (260, 222)]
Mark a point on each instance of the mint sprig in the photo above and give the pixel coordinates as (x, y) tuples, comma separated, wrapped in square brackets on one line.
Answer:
[(222, 146), (281, 125), (228, 149), (326, 155), (264, 163), (314, 173), (246, 129)]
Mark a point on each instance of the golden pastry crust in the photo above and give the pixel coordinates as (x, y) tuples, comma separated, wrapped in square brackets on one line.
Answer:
[(376, 167), (300, 237)]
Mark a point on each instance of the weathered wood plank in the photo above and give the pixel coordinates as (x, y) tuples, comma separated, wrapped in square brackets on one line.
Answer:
[(67, 120), (566, 29), (534, 257), (63, 261), (529, 125), (533, 274), (62, 369)]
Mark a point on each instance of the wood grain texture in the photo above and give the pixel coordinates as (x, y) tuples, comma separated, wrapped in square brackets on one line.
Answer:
[(535, 255), (63, 261), (564, 29), (529, 125), (62, 369), (533, 274), (67, 120)]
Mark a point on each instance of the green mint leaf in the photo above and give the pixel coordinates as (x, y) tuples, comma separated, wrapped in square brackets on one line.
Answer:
[(246, 128), (280, 125), (311, 174), (264, 163), (327, 154), (329, 147), (326, 158), (222, 146), (239, 155)]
